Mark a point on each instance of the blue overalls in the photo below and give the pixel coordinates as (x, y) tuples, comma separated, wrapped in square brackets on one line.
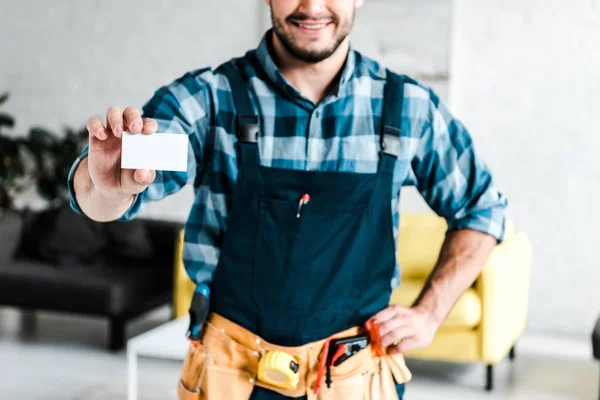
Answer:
[(295, 273)]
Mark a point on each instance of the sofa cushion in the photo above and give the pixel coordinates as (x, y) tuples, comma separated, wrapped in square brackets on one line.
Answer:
[(420, 240), (96, 289), (466, 313), (60, 236), (11, 225)]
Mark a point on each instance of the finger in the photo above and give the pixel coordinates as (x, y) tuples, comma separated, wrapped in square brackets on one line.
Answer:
[(136, 181), (384, 315), (150, 126), (133, 120), (96, 128), (389, 313), (114, 121), (397, 335), (391, 324), (405, 345)]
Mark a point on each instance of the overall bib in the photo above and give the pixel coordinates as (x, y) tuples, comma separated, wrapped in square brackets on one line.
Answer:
[(293, 272)]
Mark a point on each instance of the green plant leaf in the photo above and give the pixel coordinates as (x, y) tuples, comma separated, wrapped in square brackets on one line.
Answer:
[(7, 120), (43, 137)]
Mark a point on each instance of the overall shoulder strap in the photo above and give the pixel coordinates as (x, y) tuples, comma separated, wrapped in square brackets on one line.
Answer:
[(393, 100), (246, 120)]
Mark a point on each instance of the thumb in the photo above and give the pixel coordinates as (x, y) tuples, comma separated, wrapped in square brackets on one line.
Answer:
[(136, 181)]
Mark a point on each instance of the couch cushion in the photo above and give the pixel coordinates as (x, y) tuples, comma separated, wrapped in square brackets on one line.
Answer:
[(419, 242), (60, 235), (97, 289), (466, 313), (420, 239), (11, 224)]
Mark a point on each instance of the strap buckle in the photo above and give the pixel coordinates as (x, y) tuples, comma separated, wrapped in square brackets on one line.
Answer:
[(390, 141), (247, 128)]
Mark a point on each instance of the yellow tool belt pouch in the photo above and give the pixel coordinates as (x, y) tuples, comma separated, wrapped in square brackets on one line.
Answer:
[(230, 361)]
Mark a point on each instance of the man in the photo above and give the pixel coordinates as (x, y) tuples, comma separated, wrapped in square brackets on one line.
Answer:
[(298, 152)]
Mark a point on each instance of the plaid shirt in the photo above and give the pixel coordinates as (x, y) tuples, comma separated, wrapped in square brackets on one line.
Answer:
[(339, 134)]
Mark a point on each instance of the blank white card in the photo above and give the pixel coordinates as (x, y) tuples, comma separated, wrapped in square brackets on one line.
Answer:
[(159, 151)]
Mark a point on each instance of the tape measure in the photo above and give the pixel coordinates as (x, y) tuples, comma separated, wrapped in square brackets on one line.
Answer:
[(279, 369)]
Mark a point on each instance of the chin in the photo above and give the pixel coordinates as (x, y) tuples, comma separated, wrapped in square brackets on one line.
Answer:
[(315, 45)]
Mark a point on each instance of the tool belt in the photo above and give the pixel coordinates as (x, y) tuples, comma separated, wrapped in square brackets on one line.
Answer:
[(230, 361)]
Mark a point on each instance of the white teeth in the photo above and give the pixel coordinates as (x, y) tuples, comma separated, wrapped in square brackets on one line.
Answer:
[(315, 27)]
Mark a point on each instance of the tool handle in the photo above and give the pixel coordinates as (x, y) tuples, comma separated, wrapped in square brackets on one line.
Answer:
[(341, 350), (198, 312), (324, 358), (375, 338)]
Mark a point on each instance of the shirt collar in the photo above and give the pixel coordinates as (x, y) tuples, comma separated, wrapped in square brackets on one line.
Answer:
[(264, 51)]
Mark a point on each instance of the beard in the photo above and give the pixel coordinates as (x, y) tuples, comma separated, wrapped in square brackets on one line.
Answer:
[(303, 54)]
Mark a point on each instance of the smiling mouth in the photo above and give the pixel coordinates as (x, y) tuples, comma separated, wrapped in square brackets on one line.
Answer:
[(311, 25)]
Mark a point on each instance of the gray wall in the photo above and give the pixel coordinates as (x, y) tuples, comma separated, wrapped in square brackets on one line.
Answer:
[(526, 78), (64, 61)]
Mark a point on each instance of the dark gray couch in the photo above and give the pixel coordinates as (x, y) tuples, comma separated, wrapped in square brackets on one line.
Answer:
[(108, 286)]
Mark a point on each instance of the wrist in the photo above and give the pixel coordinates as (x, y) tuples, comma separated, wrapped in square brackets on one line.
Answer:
[(118, 199), (430, 312), (82, 180), (85, 185)]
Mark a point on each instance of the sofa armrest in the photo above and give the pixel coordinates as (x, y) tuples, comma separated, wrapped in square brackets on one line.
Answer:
[(596, 340), (183, 286), (503, 287)]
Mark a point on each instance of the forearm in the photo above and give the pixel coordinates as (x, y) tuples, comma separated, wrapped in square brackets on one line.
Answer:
[(95, 204), (462, 257)]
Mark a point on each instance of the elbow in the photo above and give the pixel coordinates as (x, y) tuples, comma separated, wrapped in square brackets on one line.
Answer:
[(487, 217)]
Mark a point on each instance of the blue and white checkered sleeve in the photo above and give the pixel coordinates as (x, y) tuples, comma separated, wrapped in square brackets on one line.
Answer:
[(177, 108), (453, 179), (73, 200)]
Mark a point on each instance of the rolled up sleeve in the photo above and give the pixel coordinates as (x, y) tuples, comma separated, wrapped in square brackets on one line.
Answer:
[(177, 108), (453, 179), (70, 185)]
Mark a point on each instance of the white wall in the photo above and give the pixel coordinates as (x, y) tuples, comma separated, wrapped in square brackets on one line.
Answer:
[(525, 78), (66, 60)]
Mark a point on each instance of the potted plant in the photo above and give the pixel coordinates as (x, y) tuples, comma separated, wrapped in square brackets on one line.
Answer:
[(12, 170), (40, 158)]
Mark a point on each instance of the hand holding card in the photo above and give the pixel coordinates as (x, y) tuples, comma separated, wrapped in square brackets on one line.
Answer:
[(103, 163), (122, 161)]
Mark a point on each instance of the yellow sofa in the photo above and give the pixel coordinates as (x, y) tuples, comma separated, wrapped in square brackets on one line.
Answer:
[(489, 318), (484, 324), (183, 286)]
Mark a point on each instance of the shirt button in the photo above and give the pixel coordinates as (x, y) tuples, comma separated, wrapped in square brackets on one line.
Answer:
[(317, 113)]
